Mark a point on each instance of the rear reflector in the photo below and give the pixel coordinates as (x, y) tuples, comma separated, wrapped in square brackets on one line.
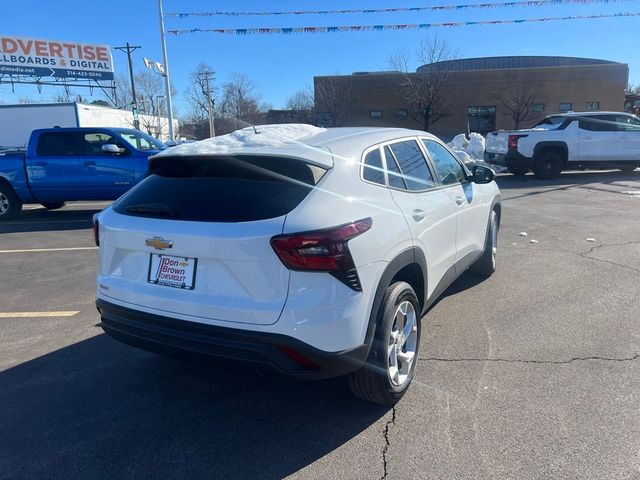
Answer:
[(96, 229), (297, 357), (320, 250)]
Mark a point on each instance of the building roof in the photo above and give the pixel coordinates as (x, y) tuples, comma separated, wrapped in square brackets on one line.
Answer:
[(511, 62)]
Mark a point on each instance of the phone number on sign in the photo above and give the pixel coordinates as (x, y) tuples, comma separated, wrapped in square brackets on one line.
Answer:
[(76, 73)]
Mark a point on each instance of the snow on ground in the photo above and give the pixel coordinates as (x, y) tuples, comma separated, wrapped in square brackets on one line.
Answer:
[(267, 136)]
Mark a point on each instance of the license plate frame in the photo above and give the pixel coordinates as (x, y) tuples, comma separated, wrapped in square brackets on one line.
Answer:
[(180, 271)]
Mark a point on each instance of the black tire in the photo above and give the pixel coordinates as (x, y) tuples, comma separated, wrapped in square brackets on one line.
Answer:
[(486, 264), (548, 164), (10, 204), (519, 171), (373, 381), (53, 205)]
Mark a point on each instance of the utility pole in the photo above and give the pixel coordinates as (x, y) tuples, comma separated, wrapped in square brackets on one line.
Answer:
[(212, 128), (167, 80), (128, 49)]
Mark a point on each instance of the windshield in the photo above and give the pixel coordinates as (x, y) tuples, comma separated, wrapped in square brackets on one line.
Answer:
[(142, 141)]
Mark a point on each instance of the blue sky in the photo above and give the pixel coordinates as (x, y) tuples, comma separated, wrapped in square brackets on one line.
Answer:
[(281, 65)]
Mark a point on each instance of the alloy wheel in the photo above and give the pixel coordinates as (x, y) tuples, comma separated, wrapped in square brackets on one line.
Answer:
[(403, 341)]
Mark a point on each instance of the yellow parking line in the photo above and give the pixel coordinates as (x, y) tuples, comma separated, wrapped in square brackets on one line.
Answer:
[(37, 314), (35, 250)]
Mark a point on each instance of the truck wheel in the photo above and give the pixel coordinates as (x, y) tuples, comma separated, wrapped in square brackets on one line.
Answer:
[(10, 204), (388, 372), (518, 170), (486, 264), (548, 165), (53, 205)]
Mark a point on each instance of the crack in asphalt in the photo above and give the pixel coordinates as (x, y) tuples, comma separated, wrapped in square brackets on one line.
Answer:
[(586, 254), (542, 362), (386, 439)]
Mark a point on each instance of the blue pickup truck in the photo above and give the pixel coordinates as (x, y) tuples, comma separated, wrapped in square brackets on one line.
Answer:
[(63, 164)]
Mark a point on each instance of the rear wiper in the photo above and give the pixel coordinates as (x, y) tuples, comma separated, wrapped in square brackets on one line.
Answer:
[(152, 209)]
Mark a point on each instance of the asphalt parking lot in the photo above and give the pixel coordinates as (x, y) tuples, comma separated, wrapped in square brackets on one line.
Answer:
[(533, 373)]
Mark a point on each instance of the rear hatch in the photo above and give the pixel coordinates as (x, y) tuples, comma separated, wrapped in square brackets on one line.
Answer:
[(193, 238)]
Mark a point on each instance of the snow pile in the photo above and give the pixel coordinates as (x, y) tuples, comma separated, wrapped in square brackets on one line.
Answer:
[(268, 136), (475, 148), (471, 151)]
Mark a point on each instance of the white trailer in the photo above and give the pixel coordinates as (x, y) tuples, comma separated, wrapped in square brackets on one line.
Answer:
[(18, 121)]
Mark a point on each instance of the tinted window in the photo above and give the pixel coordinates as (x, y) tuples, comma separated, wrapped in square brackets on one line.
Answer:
[(58, 144), (447, 167), (393, 171), (412, 165), (373, 170), (220, 189)]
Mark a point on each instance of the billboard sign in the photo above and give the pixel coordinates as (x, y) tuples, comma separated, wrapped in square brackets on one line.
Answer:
[(50, 58)]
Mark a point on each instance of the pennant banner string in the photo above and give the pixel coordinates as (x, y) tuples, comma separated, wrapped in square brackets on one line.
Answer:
[(522, 3), (377, 28)]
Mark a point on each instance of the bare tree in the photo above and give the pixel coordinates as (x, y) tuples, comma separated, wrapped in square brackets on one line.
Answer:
[(334, 100), (301, 101), (422, 91), (518, 99), (240, 102), (633, 89), (197, 95)]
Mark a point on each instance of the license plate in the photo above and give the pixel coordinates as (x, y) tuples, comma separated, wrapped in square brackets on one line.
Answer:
[(171, 271)]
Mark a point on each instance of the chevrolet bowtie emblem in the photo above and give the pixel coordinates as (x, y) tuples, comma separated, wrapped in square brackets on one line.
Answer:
[(158, 243)]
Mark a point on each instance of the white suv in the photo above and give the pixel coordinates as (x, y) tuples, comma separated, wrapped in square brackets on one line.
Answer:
[(313, 252)]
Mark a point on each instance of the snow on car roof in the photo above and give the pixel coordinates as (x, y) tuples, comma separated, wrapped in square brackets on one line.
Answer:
[(268, 136)]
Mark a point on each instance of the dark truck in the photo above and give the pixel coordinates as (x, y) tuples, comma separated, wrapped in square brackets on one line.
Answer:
[(64, 164)]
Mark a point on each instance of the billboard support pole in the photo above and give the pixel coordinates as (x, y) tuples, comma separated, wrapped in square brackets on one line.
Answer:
[(166, 73), (134, 104)]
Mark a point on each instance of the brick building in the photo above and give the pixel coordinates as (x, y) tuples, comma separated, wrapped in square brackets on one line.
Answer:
[(473, 90)]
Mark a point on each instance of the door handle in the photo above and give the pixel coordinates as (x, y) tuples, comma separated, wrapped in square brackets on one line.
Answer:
[(459, 200), (587, 138), (40, 164), (418, 214), (89, 162)]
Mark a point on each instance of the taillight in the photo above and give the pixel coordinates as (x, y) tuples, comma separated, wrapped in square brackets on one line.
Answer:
[(320, 250), (513, 141), (96, 229)]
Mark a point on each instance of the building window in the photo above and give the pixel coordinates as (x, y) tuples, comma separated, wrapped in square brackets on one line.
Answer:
[(593, 105), (375, 113), (402, 112), (566, 107), (537, 107), (481, 119)]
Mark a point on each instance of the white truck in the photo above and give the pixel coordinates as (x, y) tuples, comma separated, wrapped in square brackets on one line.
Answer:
[(574, 140)]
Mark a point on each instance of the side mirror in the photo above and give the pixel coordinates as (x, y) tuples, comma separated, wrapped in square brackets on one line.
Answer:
[(111, 148), (482, 174)]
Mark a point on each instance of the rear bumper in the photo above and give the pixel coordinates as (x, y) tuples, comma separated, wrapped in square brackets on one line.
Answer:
[(511, 159), (183, 338)]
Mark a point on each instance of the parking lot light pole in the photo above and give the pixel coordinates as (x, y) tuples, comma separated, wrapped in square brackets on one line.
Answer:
[(166, 72)]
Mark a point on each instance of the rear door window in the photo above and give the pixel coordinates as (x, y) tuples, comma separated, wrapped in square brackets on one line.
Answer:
[(58, 144), (396, 179), (413, 165), (220, 189)]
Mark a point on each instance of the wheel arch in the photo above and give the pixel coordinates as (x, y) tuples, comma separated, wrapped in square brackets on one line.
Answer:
[(409, 266), (558, 146)]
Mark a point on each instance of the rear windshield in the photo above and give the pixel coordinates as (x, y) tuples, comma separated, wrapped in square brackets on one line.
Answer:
[(220, 189)]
